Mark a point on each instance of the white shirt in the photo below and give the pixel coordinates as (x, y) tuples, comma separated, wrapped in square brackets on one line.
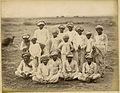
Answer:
[(60, 35), (52, 44), (65, 47), (72, 35), (24, 45), (101, 41), (89, 44), (80, 41), (26, 69), (42, 35), (56, 65), (70, 67), (44, 70), (35, 50)]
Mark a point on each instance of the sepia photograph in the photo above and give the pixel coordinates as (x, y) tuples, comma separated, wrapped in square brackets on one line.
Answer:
[(59, 45)]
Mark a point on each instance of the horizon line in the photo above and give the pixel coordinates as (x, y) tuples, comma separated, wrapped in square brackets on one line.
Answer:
[(62, 16)]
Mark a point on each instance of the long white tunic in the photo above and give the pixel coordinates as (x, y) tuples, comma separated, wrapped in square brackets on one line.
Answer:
[(101, 42), (70, 67), (89, 45), (72, 35), (80, 41), (25, 69), (60, 36), (65, 47), (52, 44), (42, 35), (56, 65), (35, 50)]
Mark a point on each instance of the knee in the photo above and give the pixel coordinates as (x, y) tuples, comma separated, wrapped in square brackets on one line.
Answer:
[(96, 76), (17, 73), (34, 78)]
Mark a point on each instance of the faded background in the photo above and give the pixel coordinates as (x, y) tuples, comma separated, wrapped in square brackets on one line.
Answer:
[(20, 17)]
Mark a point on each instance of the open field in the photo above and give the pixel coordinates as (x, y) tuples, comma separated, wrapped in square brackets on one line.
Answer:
[(11, 56)]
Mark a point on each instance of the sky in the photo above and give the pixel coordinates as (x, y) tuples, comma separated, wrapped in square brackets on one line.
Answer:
[(52, 8)]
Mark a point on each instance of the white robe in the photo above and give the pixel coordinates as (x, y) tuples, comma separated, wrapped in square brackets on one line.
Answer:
[(101, 42), (70, 70), (23, 68), (89, 71), (35, 50), (42, 35), (45, 74)]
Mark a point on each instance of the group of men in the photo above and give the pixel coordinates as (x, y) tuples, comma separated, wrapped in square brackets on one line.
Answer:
[(66, 54)]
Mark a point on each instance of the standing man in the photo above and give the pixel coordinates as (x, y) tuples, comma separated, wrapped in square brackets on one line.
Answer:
[(42, 34), (101, 43), (80, 45), (52, 43), (101, 40), (61, 31), (72, 35)]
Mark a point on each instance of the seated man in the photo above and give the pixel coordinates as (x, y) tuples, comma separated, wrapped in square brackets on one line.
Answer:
[(44, 72), (89, 70), (70, 68), (56, 63), (26, 68)]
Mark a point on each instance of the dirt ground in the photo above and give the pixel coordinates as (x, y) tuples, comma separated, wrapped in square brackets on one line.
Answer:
[(11, 57)]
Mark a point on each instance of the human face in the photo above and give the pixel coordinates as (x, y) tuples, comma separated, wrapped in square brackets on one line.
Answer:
[(45, 62), (79, 32), (89, 60), (26, 39), (41, 26), (99, 31), (88, 36), (69, 59), (55, 34), (66, 39), (70, 28), (55, 57), (61, 30), (34, 41), (26, 58)]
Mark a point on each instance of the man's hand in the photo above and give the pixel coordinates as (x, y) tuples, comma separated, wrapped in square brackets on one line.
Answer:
[(79, 47)]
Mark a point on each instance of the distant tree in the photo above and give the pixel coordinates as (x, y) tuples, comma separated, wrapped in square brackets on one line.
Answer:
[(76, 16)]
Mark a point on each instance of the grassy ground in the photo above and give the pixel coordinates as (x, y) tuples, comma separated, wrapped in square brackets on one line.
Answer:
[(11, 57)]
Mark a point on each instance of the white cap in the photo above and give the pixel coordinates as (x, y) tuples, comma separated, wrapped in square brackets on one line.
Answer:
[(55, 52), (88, 32), (70, 24), (41, 23), (88, 55), (26, 36), (99, 26)]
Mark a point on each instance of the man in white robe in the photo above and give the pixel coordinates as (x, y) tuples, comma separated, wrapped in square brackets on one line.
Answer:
[(26, 68), (101, 44), (35, 50), (42, 34), (80, 45), (45, 71), (89, 70), (53, 43), (72, 35), (70, 68)]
